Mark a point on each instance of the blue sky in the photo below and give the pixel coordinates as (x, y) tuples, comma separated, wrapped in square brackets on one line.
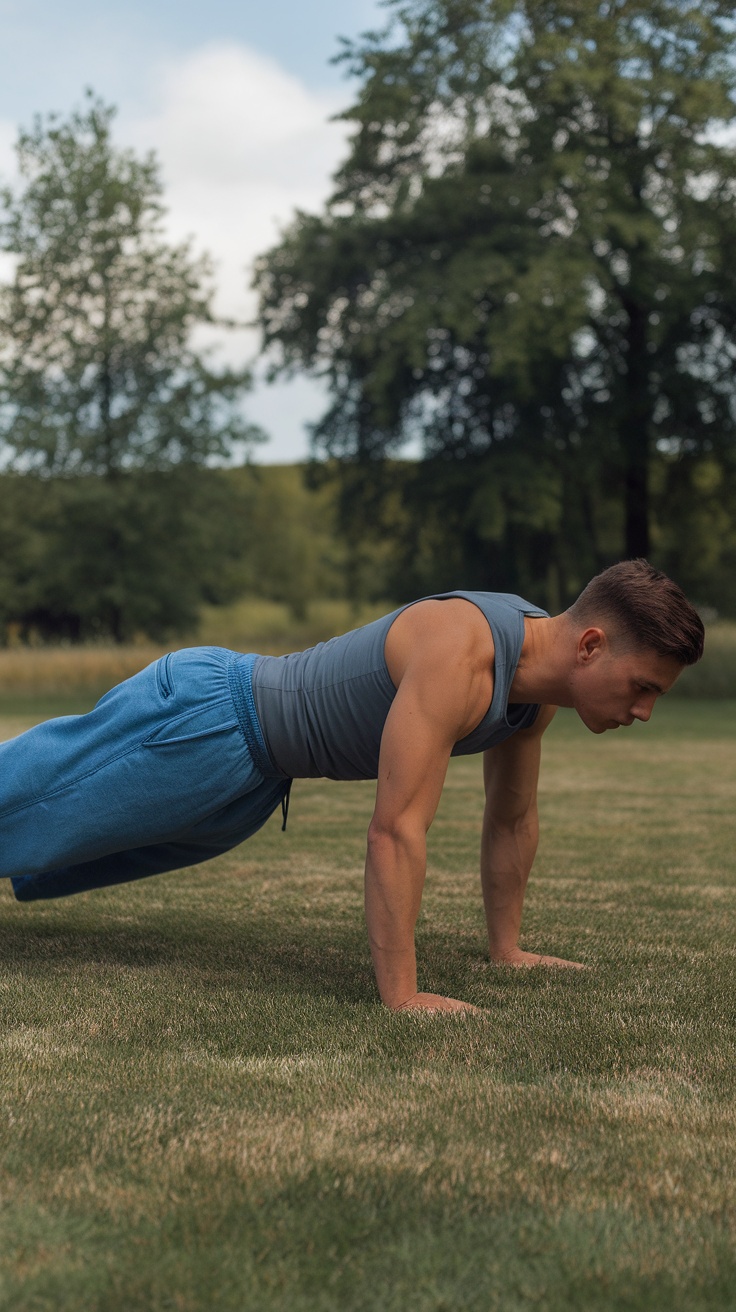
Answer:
[(235, 99), (48, 50)]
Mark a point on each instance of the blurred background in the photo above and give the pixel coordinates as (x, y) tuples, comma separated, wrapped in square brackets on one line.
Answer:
[(307, 311)]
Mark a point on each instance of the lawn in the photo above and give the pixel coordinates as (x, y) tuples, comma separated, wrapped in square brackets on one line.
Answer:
[(204, 1106)]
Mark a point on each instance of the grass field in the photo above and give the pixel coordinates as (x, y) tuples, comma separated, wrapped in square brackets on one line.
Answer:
[(203, 1106)]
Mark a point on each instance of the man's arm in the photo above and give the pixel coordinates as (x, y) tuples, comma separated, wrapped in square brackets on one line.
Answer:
[(430, 712), (509, 840)]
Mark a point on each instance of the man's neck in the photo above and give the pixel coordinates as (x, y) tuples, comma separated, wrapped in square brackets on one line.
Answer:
[(543, 672)]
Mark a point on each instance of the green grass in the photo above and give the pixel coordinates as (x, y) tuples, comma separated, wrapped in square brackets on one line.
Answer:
[(203, 1106)]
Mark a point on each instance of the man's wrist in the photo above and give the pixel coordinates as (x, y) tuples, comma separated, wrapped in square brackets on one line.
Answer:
[(401, 1006), (396, 975), (395, 995), (503, 952)]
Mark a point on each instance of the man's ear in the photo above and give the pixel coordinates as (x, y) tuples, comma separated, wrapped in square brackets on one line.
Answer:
[(591, 645)]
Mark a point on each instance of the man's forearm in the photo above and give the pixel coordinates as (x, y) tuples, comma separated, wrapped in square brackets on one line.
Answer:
[(394, 878), (507, 855)]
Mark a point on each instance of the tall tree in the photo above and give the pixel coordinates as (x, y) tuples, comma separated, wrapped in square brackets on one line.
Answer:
[(100, 384), (526, 263)]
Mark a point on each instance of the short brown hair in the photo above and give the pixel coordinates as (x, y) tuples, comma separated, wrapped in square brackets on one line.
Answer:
[(646, 607)]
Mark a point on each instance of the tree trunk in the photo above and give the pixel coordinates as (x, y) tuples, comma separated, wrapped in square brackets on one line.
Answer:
[(635, 435), (108, 445)]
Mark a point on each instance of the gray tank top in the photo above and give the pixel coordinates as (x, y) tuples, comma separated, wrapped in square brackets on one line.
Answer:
[(322, 711)]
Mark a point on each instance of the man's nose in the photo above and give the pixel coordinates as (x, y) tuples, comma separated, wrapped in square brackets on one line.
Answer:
[(642, 710)]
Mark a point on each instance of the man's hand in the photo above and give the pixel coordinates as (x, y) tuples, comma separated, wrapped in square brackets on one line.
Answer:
[(518, 958), (434, 1002)]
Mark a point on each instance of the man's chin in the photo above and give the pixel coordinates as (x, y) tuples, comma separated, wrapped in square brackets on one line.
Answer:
[(595, 726)]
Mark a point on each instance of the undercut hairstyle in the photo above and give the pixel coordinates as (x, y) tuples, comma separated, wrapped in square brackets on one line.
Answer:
[(646, 608)]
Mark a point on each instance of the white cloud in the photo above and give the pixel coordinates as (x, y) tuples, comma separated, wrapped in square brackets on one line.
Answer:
[(8, 175), (242, 145)]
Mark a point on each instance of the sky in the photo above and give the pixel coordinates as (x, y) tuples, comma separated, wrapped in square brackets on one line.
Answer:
[(236, 100)]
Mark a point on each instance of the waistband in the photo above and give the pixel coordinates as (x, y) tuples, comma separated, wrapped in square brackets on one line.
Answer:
[(240, 678)]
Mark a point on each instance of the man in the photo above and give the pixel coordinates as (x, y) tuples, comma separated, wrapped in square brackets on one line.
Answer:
[(192, 755)]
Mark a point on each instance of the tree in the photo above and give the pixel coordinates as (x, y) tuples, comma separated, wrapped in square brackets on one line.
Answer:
[(525, 264), (101, 389), (93, 558)]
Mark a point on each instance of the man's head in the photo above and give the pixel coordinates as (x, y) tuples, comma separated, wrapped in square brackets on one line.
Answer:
[(635, 631)]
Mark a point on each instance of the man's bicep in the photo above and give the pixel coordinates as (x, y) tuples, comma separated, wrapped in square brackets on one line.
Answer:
[(415, 751)]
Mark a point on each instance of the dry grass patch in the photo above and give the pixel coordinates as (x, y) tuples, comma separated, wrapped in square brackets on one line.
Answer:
[(64, 671)]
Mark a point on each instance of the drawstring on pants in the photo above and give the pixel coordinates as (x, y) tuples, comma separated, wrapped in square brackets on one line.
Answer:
[(285, 803)]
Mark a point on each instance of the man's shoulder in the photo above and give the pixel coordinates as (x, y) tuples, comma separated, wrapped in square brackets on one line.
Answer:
[(451, 618), (440, 638)]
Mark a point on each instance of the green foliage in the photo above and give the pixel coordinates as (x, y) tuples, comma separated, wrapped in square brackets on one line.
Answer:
[(97, 373), (109, 417), (695, 505), (86, 557), (526, 264), (149, 552), (291, 552)]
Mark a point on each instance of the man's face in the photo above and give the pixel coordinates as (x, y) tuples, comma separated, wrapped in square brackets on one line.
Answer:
[(614, 684)]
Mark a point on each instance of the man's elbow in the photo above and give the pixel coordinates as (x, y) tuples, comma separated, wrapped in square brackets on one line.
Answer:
[(521, 825), (396, 835)]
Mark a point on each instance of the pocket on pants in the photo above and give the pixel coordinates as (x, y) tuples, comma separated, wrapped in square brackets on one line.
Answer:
[(164, 679), (201, 722)]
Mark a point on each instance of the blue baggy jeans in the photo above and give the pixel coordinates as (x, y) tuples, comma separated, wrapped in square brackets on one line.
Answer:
[(169, 769)]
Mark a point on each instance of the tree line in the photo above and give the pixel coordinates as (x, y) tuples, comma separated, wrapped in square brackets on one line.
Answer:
[(523, 271)]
